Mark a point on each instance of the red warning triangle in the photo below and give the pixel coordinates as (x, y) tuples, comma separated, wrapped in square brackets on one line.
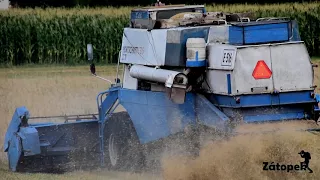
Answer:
[(261, 71)]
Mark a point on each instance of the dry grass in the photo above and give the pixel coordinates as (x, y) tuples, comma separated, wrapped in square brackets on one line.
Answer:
[(71, 90)]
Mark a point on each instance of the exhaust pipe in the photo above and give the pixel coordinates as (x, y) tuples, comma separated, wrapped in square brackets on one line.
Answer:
[(175, 82)]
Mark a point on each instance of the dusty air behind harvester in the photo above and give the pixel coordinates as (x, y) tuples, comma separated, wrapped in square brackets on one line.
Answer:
[(184, 68)]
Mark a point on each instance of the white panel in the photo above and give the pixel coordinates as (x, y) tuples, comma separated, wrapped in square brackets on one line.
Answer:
[(217, 80), (158, 39), (219, 34), (4, 4), (221, 56), (128, 81), (246, 61), (292, 69), (140, 46)]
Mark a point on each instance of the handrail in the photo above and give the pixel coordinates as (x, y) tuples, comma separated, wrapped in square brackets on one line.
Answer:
[(68, 118), (60, 116), (100, 96), (118, 66)]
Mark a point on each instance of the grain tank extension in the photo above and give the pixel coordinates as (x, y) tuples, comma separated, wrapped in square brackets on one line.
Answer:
[(184, 69)]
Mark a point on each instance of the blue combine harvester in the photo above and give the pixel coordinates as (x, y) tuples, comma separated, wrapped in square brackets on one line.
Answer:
[(185, 70)]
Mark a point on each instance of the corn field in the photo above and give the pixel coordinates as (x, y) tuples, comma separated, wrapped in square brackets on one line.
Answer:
[(60, 35)]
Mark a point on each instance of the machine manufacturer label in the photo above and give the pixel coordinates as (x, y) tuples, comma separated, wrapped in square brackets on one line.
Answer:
[(133, 50), (228, 55), (123, 57)]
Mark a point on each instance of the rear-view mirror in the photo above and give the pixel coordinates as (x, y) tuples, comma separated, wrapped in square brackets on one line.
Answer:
[(93, 68), (90, 52)]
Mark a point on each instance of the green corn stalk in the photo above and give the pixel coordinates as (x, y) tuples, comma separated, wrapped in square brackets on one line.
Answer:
[(60, 35)]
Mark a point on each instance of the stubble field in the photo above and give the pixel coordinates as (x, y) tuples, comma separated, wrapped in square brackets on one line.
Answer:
[(72, 90)]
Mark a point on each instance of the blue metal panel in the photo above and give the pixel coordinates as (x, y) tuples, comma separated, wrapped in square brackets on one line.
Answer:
[(14, 152), (139, 15), (59, 139), (176, 52), (256, 100), (202, 32), (295, 33), (209, 115), (53, 124), (173, 55), (254, 33), (235, 35), (274, 117), (266, 33), (40, 124), (273, 114), (14, 124), (229, 83), (154, 115), (201, 63), (30, 141), (267, 113), (296, 97), (316, 106), (317, 97)]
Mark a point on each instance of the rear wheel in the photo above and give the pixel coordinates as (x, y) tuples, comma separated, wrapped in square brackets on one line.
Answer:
[(123, 150), (113, 150)]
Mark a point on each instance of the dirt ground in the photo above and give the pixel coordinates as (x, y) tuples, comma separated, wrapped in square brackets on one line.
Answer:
[(72, 90)]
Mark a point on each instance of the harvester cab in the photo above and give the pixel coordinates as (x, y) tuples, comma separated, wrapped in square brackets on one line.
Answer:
[(184, 68)]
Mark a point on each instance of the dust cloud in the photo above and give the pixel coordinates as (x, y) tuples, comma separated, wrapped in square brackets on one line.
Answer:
[(242, 157)]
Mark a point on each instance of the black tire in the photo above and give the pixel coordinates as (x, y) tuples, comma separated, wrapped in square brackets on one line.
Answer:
[(122, 138)]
